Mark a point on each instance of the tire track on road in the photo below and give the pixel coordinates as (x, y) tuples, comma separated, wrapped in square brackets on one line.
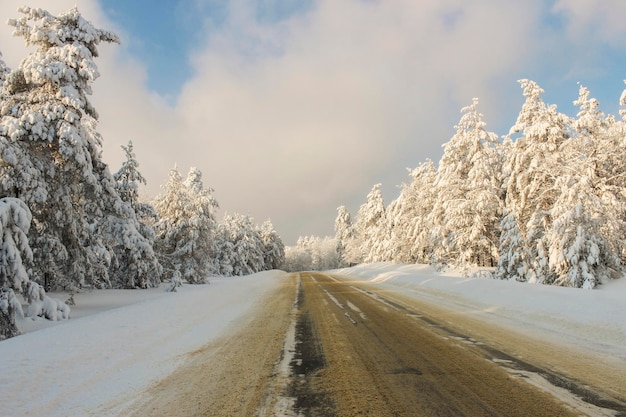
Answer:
[(392, 365)]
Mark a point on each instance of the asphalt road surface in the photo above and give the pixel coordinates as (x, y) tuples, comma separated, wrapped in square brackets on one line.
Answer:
[(321, 346)]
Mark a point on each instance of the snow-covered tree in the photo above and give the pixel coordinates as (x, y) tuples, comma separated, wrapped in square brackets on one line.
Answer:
[(9, 307), (465, 217), (534, 163), (344, 235), (408, 217), (186, 228), (273, 247), (15, 252), (135, 265), (312, 253), (51, 156), (15, 220), (128, 179), (580, 254), (41, 305), (205, 206), (297, 259), (585, 237), (247, 250), (4, 71), (370, 224), (225, 253), (175, 282)]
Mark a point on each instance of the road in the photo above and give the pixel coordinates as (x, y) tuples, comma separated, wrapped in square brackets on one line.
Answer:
[(321, 346)]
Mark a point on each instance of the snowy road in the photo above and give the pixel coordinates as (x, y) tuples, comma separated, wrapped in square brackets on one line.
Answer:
[(365, 353), (322, 345)]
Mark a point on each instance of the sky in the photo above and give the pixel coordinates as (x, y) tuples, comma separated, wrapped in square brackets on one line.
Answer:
[(292, 108)]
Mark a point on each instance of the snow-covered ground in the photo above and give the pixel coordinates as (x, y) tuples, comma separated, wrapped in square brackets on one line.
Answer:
[(117, 343)]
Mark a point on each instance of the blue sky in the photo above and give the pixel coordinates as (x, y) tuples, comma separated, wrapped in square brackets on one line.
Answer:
[(293, 108), (163, 34)]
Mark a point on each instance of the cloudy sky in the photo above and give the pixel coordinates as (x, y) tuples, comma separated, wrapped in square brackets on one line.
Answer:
[(291, 108)]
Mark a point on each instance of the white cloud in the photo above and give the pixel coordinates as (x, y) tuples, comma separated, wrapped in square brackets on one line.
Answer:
[(594, 19), (334, 98)]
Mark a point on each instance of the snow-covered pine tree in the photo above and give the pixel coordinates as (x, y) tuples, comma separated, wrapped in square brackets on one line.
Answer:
[(172, 207), (273, 247), (297, 259), (466, 214), (247, 244), (15, 219), (344, 236), (412, 226), (534, 163), (312, 253), (370, 223), (585, 238), (186, 227), (135, 263), (128, 179), (225, 250), (205, 206), (51, 151), (4, 71), (308, 256), (381, 249), (581, 255)]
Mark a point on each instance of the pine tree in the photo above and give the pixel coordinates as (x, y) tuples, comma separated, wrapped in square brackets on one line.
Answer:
[(370, 224), (52, 151), (585, 238), (225, 251), (4, 71), (205, 207), (344, 235), (247, 244), (466, 214), (312, 253), (186, 228), (128, 179), (135, 265), (412, 224), (273, 247), (15, 253), (533, 166)]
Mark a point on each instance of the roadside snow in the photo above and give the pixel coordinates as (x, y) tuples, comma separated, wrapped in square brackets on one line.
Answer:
[(118, 343), (587, 319)]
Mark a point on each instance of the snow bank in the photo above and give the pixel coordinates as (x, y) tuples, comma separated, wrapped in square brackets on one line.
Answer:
[(590, 319), (99, 362)]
